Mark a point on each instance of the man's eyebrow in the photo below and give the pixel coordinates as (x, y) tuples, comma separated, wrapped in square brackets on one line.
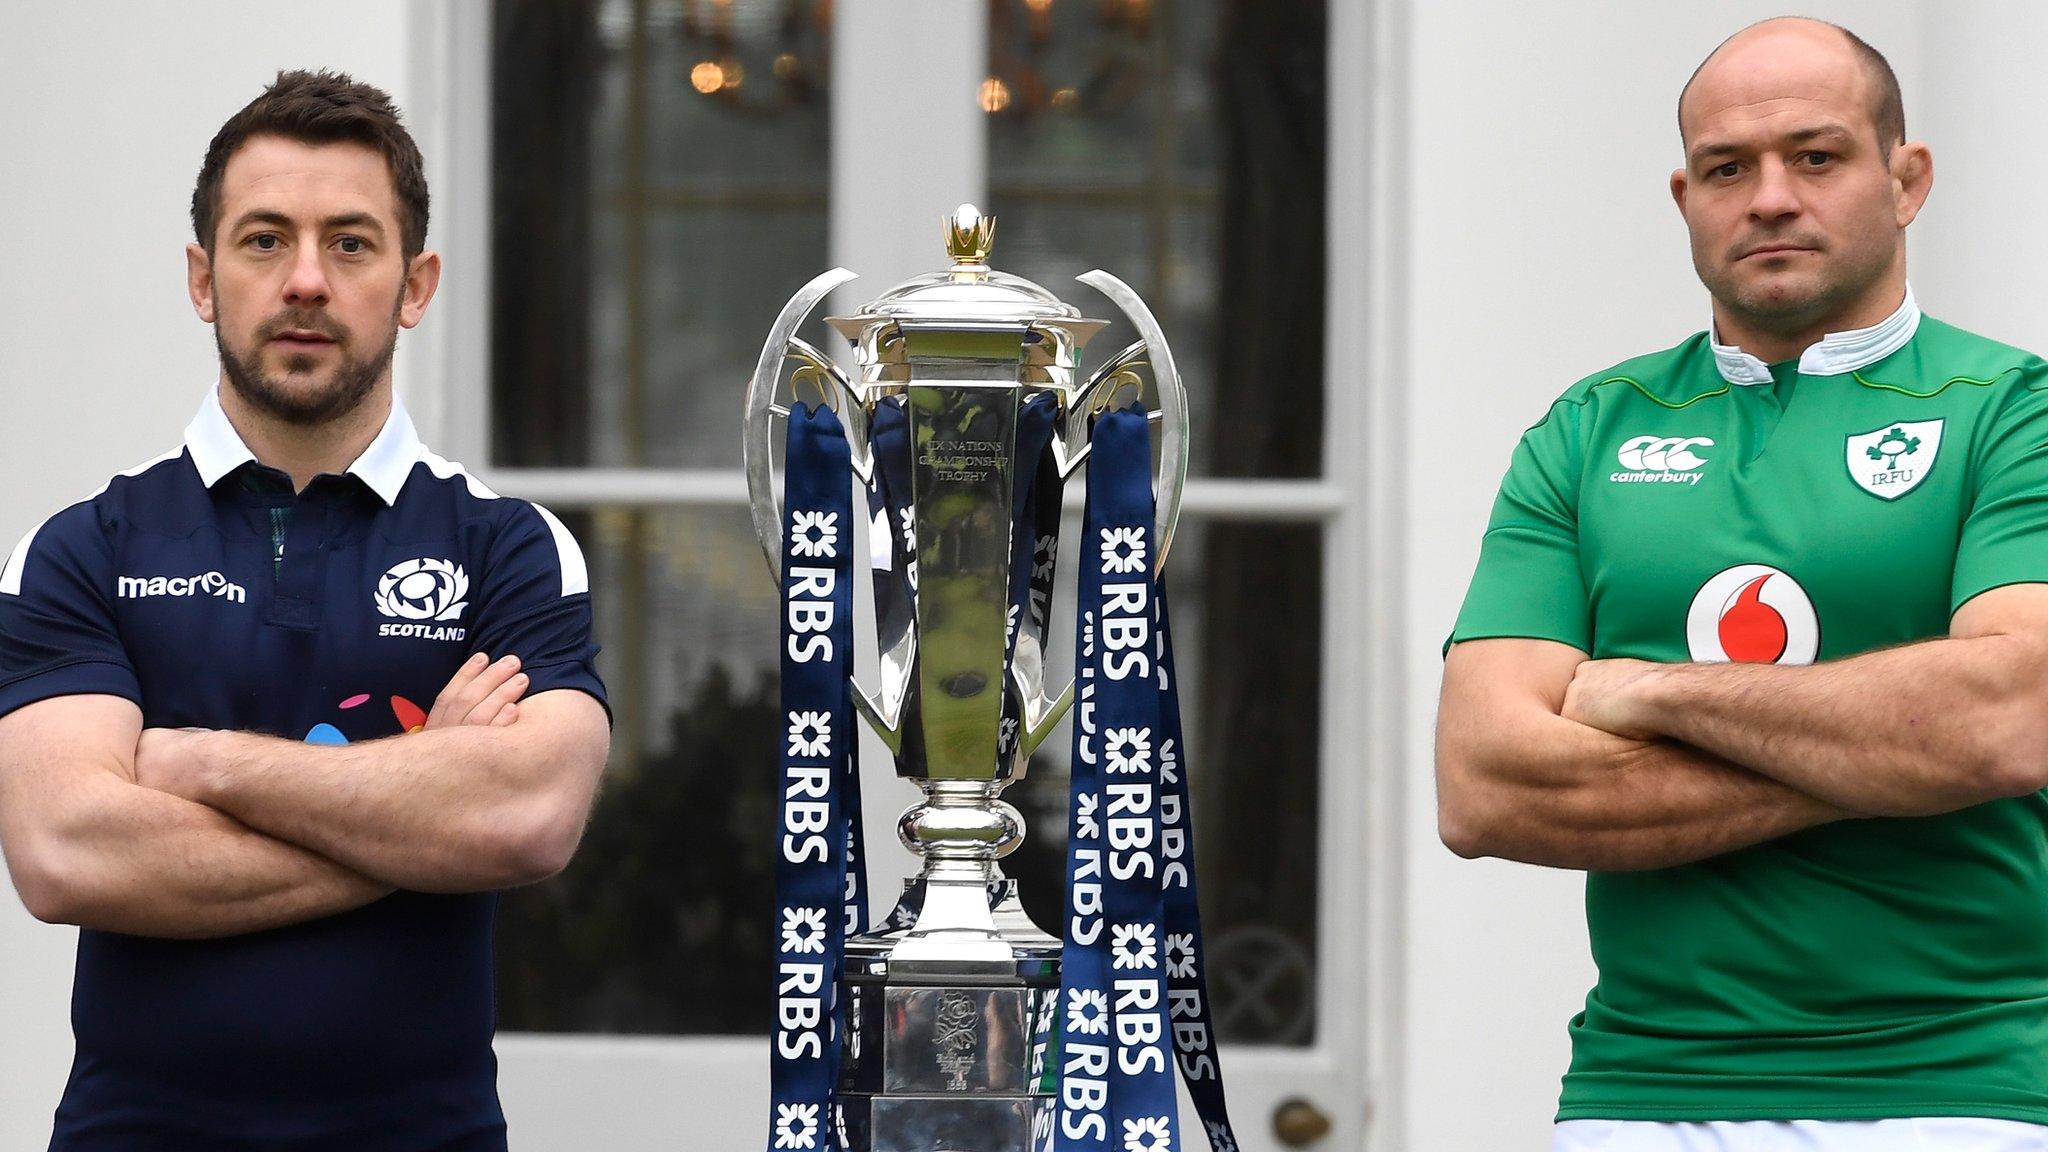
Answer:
[(361, 221), (1710, 149)]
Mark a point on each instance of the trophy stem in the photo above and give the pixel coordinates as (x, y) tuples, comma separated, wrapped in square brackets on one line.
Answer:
[(960, 830)]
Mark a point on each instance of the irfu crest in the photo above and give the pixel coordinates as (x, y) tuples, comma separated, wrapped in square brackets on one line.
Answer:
[(1892, 459)]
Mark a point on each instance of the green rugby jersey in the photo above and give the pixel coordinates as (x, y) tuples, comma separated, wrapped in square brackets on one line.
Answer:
[(1696, 504)]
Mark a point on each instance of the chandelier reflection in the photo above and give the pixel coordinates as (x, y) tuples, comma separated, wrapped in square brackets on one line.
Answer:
[(758, 57)]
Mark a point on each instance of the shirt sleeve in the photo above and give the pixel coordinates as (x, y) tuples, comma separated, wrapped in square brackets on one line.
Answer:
[(58, 634), (1529, 582), (534, 603), (2004, 537)]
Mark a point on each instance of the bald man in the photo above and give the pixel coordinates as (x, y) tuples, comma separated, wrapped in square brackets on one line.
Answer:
[(1759, 639)]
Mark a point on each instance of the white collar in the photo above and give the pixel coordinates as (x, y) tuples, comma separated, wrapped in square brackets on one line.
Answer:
[(217, 449), (1837, 352)]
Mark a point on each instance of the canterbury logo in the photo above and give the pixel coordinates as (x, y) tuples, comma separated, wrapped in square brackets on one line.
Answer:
[(1662, 453), (423, 589)]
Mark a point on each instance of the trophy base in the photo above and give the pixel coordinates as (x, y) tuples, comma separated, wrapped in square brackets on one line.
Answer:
[(936, 1054), (944, 1123)]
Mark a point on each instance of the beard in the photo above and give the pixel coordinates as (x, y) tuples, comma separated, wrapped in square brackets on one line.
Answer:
[(345, 388), (1792, 305)]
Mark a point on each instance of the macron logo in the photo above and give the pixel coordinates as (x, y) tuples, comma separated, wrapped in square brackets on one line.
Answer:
[(210, 584)]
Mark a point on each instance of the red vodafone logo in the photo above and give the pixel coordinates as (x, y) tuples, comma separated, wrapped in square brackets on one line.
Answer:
[(1752, 614)]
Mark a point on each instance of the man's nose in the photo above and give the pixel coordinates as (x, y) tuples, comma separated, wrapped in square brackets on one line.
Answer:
[(307, 281), (1775, 198)]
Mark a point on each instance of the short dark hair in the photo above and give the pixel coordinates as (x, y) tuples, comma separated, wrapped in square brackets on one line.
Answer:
[(1887, 105), (319, 108)]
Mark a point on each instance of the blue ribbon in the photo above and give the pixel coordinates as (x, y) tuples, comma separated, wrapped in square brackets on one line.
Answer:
[(1187, 996), (814, 886), (1131, 976), (1131, 980)]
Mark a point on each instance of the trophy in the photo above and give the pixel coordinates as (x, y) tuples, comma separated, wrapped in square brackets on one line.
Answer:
[(940, 1003)]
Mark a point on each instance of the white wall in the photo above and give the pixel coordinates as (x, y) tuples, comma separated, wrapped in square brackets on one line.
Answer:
[(1542, 247), (109, 107)]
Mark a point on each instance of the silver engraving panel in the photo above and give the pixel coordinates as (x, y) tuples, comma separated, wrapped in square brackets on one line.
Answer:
[(965, 1040)]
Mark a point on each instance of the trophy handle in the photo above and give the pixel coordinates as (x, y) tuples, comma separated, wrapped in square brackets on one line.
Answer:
[(1027, 667), (818, 371), (1172, 477), (757, 447)]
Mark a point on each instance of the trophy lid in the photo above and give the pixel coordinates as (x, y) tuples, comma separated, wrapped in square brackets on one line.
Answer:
[(970, 292)]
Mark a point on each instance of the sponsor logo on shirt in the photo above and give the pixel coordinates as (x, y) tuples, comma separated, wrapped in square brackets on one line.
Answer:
[(1752, 614), (206, 584), (1660, 460), (1890, 460), (410, 716), (425, 593)]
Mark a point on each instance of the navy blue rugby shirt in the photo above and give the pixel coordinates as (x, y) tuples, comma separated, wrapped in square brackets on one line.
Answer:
[(369, 1030)]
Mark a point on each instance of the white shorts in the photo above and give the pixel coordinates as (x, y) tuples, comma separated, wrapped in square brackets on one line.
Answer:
[(1938, 1134)]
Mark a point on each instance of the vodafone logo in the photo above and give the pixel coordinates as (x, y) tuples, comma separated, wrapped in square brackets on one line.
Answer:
[(1752, 614), (1660, 460)]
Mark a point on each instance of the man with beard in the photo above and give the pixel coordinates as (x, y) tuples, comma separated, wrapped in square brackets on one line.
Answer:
[(1759, 639), (211, 755)]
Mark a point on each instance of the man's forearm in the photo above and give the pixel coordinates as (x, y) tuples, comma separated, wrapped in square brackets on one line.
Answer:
[(450, 810), (1909, 731), (1569, 796), (134, 860)]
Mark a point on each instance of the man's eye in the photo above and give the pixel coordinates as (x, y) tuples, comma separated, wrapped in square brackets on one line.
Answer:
[(264, 242), (1727, 171), (353, 245), (1818, 159)]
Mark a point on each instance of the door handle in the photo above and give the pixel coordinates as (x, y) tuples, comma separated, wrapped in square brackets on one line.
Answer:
[(1299, 1123)]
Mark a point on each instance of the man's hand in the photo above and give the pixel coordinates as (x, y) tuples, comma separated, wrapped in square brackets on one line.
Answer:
[(1610, 695), (484, 691)]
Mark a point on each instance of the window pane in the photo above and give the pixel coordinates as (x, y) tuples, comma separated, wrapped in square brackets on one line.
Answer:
[(659, 174), (1247, 620), (1180, 145), (662, 922)]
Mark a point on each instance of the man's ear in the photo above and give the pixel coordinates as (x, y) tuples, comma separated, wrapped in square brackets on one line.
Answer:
[(421, 279), (1678, 189), (199, 281), (1912, 180)]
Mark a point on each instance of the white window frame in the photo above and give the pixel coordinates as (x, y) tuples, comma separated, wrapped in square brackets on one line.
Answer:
[(1359, 503)]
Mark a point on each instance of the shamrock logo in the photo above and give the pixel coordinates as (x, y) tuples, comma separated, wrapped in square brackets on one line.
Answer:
[(1180, 955), (1893, 445)]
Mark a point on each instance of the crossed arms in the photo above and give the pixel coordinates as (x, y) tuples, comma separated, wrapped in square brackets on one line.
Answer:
[(1547, 757), (187, 833)]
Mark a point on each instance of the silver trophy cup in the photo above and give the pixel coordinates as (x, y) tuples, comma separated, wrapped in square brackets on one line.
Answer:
[(942, 997)]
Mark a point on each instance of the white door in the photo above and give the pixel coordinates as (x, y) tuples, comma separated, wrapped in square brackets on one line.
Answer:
[(628, 189)]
